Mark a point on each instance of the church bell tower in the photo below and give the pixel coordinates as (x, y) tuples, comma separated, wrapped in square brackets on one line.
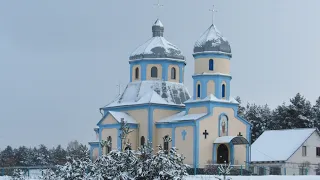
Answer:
[(212, 54)]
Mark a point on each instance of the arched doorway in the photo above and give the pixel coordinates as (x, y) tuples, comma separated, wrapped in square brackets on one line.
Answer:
[(223, 154)]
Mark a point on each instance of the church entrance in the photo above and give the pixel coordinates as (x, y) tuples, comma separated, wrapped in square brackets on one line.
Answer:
[(223, 154)]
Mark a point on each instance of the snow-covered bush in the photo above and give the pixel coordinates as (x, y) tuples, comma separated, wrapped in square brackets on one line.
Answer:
[(125, 164), (48, 174)]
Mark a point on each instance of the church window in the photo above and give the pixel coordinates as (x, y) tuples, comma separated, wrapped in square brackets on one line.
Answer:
[(166, 144), (142, 141), (110, 145), (137, 73), (223, 90), (318, 151), (198, 90), (211, 64), (173, 73), (154, 72)]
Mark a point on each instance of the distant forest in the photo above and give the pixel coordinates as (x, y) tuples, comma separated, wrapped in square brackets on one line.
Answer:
[(42, 156), (298, 113)]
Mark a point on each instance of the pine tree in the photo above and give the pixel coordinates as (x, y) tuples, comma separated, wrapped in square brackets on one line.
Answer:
[(241, 109), (58, 155), (298, 114), (43, 155), (74, 169), (7, 157), (48, 174), (316, 113)]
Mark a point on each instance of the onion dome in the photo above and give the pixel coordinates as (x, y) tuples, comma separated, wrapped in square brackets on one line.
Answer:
[(212, 41), (157, 46)]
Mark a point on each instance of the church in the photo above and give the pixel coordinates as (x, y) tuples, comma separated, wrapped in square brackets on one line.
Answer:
[(205, 127)]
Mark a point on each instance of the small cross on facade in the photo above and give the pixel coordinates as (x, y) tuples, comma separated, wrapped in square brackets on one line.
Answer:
[(205, 133), (184, 133), (239, 134), (213, 11)]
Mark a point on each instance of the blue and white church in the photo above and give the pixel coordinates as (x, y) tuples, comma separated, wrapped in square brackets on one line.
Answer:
[(156, 104)]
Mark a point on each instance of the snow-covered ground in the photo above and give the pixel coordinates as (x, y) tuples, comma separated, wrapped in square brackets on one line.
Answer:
[(203, 177), (200, 177)]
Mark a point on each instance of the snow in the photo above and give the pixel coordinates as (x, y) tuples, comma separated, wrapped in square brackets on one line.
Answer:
[(152, 91), (182, 116), (153, 44), (119, 115), (211, 34), (211, 177), (158, 23), (224, 139), (285, 141), (213, 98)]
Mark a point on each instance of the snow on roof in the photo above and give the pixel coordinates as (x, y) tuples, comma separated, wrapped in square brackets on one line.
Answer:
[(212, 40), (278, 145), (156, 91), (234, 139), (158, 23), (119, 115), (157, 47), (182, 116), (213, 98)]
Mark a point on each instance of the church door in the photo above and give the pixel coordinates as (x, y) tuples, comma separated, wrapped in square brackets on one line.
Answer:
[(223, 154)]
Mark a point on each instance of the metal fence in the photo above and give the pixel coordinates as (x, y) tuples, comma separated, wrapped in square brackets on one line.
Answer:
[(29, 171)]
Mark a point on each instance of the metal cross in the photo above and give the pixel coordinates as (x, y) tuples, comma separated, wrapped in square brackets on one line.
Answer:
[(205, 133), (158, 5), (213, 11), (239, 134)]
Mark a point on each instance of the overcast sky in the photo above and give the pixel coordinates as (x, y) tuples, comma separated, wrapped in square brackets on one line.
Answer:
[(60, 61)]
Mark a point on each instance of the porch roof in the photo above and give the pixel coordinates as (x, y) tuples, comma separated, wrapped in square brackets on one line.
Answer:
[(235, 140)]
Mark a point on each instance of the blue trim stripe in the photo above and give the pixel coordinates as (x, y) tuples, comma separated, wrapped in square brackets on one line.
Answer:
[(210, 55)]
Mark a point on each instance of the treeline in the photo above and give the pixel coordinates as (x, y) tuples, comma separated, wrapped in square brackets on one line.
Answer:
[(41, 156), (298, 113)]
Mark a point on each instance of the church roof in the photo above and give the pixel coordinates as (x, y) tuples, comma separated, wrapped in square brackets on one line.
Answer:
[(157, 46), (182, 116), (152, 92), (212, 41), (213, 98), (122, 115), (279, 145)]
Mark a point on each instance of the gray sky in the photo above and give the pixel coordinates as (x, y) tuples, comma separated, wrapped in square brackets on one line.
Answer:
[(58, 58)]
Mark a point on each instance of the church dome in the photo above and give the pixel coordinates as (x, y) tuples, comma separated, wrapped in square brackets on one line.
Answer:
[(157, 46), (212, 41)]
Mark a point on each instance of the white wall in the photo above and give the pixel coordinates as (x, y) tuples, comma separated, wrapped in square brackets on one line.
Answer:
[(296, 159)]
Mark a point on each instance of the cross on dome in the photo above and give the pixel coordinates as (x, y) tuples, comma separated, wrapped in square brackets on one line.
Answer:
[(213, 11)]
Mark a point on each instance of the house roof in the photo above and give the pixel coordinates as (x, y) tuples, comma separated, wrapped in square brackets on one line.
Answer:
[(279, 145), (181, 116)]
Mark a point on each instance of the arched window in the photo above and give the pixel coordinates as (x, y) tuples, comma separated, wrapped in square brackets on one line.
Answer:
[(109, 139), (211, 64), (142, 141), (198, 90), (173, 73), (154, 72), (137, 73), (223, 90), (166, 144)]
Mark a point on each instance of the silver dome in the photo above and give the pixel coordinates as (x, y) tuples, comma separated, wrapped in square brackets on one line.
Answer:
[(212, 41), (157, 46)]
